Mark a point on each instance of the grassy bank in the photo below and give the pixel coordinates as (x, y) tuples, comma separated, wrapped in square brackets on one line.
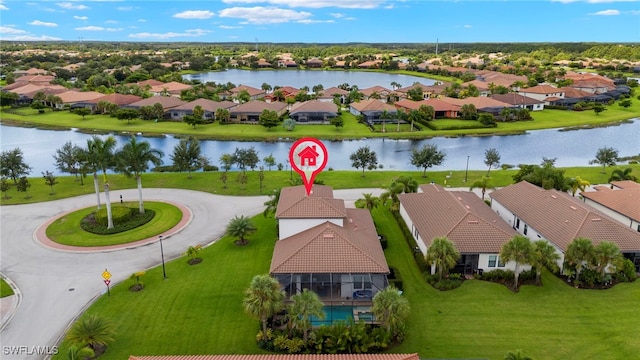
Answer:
[(352, 129), (198, 310), (210, 182), (5, 289)]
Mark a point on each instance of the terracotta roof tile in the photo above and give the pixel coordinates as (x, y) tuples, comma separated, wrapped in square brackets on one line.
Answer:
[(372, 105), (438, 105), (251, 90), (516, 99), (207, 105), (119, 99), (480, 102), (167, 102), (626, 184), (73, 96), (623, 201), (294, 203), (561, 218), (461, 216), (256, 107), (330, 248), (314, 106)]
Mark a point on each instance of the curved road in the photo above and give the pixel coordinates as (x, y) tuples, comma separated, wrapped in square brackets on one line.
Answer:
[(56, 285)]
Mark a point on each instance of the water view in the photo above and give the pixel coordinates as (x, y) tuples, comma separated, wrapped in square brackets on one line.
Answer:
[(571, 148)]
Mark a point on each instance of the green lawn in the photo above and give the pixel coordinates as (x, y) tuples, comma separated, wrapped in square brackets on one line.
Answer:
[(210, 182), (5, 289), (351, 130), (198, 310), (66, 230)]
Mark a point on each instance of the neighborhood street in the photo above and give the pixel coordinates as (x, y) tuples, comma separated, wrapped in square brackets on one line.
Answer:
[(57, 285)]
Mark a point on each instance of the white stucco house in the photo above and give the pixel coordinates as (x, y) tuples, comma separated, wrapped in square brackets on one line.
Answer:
[(461, 216)]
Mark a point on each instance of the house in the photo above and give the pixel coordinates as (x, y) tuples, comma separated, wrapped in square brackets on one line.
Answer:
[(544, 93), (209, 106), (462, 217), (520, 101), (621, 201), (483, 87), (167, 102), (249, 112), (288, 92), (442, 109), (172, 88), (414, 356), (287, 63), (314, 63), (482, 103), (78, 99), (35, 79), (377, 92), (403, 93), (560, 218), (371, 109), (332, 93), (254, 93), (327, 248), (313, 111), (118, 99), (148, 84)]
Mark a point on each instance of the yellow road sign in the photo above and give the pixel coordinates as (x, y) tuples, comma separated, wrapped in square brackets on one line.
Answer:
[(106, 275)]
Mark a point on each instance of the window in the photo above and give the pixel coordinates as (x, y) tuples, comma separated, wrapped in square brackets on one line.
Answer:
[(517, 223), (361, 282), (525, 229), (638, 227), (500, 263), (492, 260)]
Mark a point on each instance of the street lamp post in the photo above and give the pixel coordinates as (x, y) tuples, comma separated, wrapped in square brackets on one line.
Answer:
[(466, 171), (164, 272)]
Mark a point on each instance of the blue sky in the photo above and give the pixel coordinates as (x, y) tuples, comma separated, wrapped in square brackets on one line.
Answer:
[(322, 21)]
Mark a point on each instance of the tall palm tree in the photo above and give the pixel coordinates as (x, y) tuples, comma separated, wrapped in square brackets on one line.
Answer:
[(391, 309), (369, 201), (102, 152), (263, 299), (484, 183), (543, 255), (305, 305), (89, 158), (606, 253), (576, 184), (92, 331), (518, 249), (443, 254), (619, 175), (240, 227), (580, 253), (134, 159), (403, 184)]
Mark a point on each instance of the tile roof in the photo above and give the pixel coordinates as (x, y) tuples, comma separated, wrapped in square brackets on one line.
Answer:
[(207, 105), (330, 248), (282, 357), (623, 201), (295, 204), (570, 92), (438, 105), (561, 218), (118, 99), (381, 90), (167, 102), (150, 82), (314, 106), (73, 96), (334, 90), (541, 89), (256, 107), (26, 88), (46, 79), (516, 99), (626, 184), (172, 86), (480, 102), (372, 105), (461, 216), (251, 90)]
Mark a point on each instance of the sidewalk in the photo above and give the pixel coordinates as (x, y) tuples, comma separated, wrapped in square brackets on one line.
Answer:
[(9, 304)]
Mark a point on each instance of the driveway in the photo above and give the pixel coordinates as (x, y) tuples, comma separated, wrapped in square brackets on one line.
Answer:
[(57, 285)]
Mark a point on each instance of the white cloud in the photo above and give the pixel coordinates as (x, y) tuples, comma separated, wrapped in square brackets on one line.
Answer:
[(80, 17), (592, 1), (607, 12), (2, 7), (347, 4), (227, 27), (169, 35), (10, 30), (467, 26), (309, 21), (42, 23), (350, 18), (10, 33), (71, 6), (194, 14), (124, 8), (97, 28), (142, 20), (264, 15), (633, 12), (111, 21)]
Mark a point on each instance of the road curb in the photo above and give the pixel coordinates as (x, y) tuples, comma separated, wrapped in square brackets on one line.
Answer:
[(15, 304)]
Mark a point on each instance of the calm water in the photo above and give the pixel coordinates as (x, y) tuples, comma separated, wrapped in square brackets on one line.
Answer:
[(571, 148), (300, 78)]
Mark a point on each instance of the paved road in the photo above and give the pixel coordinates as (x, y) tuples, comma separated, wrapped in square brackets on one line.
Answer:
[(57, 285)]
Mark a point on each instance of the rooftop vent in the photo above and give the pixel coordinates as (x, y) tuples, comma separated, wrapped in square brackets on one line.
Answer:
[(468, 207), (596, 219), (554, 197), (472, 222), (573, 207), (327, 236)]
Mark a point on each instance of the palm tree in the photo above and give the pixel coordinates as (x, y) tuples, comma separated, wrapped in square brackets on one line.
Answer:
[(516, 355), (580, 253), (576, 184), (102, 153), (90, 160), (544, 255), (263, 299), (620, 175), (76, 352), (403, 184), (518, 249), (391, 309), (240, 227), (443, 254), (134, 159), (92, 331), (604, 254), (484, 183), (305, 305), (272, 203), (369, 201)]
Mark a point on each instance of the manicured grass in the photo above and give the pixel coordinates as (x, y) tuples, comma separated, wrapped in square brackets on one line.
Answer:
[(210, 181), (198, 310), (5, 289), (352, 129), (66, 230)]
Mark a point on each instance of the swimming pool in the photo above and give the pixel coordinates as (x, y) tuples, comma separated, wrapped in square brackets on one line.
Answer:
[(342, 313)]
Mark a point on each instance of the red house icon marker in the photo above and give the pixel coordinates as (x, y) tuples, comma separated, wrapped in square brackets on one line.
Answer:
[(308, 155)]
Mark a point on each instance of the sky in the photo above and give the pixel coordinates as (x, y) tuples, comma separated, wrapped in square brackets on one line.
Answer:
[(322, 21)]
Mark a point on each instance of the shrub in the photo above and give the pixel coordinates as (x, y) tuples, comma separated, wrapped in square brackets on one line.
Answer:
[(394, 278), (290, 346), (506, 166), (590, 277), (90, 224), (210, 168), (497, 275), (627, 271), (119, 214), (383, 241), (452, 281)]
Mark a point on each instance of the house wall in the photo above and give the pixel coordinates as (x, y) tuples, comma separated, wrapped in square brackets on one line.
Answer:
[(288, 227), (413, 230), (624, 220)]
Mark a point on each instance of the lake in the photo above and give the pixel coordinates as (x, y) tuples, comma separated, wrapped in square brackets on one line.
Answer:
[(571, 148), (310, 78)]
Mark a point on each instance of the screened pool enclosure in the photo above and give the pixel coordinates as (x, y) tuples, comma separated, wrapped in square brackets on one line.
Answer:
[(355, 287)]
